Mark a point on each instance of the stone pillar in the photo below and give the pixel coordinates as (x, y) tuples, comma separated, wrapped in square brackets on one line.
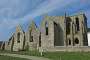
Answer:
[(65, 32), (71, 33)]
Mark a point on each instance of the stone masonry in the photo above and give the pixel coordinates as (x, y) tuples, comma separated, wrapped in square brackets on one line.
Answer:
[(55, 33)]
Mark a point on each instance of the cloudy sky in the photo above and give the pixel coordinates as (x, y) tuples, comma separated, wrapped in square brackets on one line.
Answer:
[(14, 12)]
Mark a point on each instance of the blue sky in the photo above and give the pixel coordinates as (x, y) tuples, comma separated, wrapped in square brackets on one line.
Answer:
[(14, 12)]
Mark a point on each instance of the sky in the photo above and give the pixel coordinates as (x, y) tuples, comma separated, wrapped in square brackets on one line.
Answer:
[(22, 12)]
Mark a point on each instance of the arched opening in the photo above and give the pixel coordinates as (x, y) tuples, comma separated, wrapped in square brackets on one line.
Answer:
[(46, 27), (18, 37), (68, 25), (31, 40), (69, 42), (40, 40), (30, 36), (76, 41), (58, 35), (77, 24)]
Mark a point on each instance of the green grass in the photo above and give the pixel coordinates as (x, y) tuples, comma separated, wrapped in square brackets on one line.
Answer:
[(58, 55), (11, 58), (68, 55)]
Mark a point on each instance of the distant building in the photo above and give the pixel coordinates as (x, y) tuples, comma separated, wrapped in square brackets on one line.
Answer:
[(88, 38), (1, 42)]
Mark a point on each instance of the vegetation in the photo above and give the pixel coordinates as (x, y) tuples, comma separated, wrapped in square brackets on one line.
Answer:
[(58, 55), (68, 55), (11, 58)]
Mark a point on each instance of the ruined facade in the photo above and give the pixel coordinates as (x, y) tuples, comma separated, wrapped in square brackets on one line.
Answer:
[(19, 39), (2, 46), (64, 31), (9, 44), (32, 37), (55, 33)]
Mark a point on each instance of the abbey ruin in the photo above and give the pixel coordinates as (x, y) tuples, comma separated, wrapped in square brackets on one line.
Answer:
[(56, 33)]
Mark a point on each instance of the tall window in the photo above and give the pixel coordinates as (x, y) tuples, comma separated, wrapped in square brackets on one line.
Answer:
[(68, 25), (69, 42), (46, 26), (18, 37), (30, 37), (68, 28), (31, 40), (77, 24), (40, 40)]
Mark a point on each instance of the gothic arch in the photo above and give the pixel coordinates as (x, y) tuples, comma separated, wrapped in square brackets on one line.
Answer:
[(46, 27), (18, 37), (77, 24)]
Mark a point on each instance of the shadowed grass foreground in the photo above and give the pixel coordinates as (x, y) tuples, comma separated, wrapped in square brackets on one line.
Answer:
[(58, 55), (11, 58)]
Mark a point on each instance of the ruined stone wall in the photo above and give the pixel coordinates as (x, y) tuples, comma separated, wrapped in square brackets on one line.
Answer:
[(60, 21), (9, 44), (32, 37), (53, 35), (80, 34), (56, 34), (3, 46), (47, 40), (18, 44)]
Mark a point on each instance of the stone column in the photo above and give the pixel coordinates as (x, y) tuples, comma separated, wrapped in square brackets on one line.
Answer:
[(71, 33)]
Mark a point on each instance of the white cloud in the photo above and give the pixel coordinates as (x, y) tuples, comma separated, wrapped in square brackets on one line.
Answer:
[(13, 12), (49, 6), (88, 39), (87, 13), (45, 7)]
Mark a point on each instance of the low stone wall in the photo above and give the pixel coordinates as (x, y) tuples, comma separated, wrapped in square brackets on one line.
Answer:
[(68, 49)]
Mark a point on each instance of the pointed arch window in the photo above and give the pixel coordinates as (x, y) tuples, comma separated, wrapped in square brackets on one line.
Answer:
[(31, 40), (68, 25), (40, 40), (46, 26), (30, 37), (69, 42), (18, 37), (77, 24)]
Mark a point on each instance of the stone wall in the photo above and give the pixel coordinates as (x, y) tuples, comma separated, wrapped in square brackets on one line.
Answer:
[(55, 33), (81, 34), (19, 39), (32, 37), (56, 27), (67, 49)]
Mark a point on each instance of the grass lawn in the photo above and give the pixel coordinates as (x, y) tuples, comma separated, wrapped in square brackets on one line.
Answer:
[(59, 55), (10, 58), (68, 55)]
